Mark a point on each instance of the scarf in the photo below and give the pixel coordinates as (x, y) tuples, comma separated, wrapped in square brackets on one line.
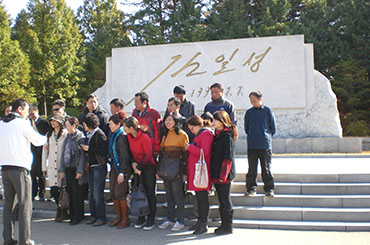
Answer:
[(112, 147), (89, 135)]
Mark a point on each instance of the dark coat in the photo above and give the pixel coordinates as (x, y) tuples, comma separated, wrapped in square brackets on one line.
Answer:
[(223, 148), (77, 155), (101, 114), (98, 145), (124, 155), (42, 126)]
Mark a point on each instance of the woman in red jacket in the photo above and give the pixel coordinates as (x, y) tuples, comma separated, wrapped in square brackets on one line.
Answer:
[(144, 166), (203, 141)]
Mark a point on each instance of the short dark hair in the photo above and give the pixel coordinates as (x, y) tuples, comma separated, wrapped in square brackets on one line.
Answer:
[(33, 107), (59, 102), (91, 96), (179, 89), (118, 103), (195, 121), (91, 120), (131, 122), (217, 85), (73, 121), (175, 100), (256, 93), (118, 118), (143, 96), (19, 103)]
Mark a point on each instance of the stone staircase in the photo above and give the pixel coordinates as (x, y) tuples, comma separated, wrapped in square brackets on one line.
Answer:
[(338, 202), (302, 201)]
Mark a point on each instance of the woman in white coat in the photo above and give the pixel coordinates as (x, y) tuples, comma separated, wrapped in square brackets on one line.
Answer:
[(51, 158)]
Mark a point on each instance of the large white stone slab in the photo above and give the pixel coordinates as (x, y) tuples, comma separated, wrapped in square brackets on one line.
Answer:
[(281, 67)]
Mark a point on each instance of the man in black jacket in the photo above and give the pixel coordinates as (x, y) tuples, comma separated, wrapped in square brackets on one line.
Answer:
[(41, 126), (187, 108), (92, 105)]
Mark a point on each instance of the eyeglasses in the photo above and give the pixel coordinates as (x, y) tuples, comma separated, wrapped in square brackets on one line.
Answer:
[(56, 109)]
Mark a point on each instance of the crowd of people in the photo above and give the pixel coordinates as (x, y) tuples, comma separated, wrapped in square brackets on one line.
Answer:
[(75, 153)]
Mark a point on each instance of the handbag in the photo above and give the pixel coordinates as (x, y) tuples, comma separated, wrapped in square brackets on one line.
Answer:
[(169, 168), (201, 172), (63, 202), (138, 200)]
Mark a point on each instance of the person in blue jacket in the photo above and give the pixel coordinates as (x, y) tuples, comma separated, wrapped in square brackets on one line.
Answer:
[(259, 125)]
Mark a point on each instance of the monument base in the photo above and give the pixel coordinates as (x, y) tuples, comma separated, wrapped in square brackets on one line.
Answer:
[(309, 145)]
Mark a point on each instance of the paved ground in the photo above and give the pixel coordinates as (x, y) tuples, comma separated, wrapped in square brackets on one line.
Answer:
[(46, 231)]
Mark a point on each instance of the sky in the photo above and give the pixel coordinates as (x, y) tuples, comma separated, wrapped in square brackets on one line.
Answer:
[(13, 7)]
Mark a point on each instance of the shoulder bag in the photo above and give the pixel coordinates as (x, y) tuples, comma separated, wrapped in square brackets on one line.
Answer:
[(201, 172), (137, 199), (169, 168)]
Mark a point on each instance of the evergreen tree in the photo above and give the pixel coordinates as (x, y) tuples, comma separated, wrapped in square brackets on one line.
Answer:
[(185, 23), (229, 19), (103, 27), (49, 34), (14, 66), (150, 23)]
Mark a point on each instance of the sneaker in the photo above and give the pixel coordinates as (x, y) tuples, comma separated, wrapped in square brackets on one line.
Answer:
[(165, 205), (177, 226), (251, 193), (148, 226), (165, 225), (140, 223), (270, 193)]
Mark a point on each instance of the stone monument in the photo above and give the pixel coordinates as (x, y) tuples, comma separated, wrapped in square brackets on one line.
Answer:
[(281, 67)]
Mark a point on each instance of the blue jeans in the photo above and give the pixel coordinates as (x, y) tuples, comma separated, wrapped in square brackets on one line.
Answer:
[(97, 177)]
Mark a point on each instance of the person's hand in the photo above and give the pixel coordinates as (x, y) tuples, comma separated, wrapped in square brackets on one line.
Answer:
[(120, 178), (157, 176), (134, 165), (44, 173), (186, 146), (137, 171), (78, 175), (61, 175), (84, 147)]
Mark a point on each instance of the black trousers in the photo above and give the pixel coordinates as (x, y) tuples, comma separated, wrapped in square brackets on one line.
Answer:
[(203, 205), (149, 182), (76, 197), (54, 193), (223, 194), (38, 185), (265, 159)]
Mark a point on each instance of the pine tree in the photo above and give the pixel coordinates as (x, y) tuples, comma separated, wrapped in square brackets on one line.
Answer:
[(185, 22), (103, 27), (229, 19), (49, 34), (14, 66)]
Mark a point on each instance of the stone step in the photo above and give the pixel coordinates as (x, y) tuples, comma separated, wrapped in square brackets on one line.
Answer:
[(281, 200), (260, 213), (299, 225), (297, 178), (313, 178), (299, 213), (303, 188), (289, 200)]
